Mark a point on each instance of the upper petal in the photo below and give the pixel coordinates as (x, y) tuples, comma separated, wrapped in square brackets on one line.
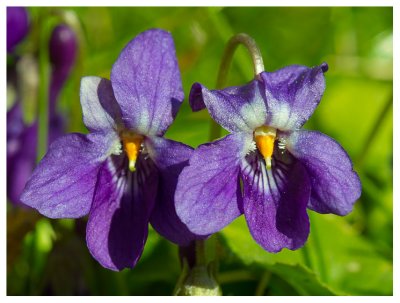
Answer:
[(237, 109), (118, 220), (170, 157), (62, 184), (292, 94), (101, 111), (275, 201), (335, 185), (147, 82), (208, 195)]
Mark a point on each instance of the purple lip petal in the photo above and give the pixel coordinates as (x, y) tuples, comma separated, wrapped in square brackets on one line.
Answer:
[(118, 219), (292, 94), (17, 26), (62, 184), (335, 185), (237, 109), (170, 158), (147, 82), (101, 112), (275, 202), (208, 193)]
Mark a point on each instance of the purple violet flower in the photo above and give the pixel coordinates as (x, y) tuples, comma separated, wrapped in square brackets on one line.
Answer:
[(283, 170), (17, 26), (123, 173), (22, 138)]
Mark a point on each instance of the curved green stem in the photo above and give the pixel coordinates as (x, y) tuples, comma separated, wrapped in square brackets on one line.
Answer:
[(230, 49), (231, 46)]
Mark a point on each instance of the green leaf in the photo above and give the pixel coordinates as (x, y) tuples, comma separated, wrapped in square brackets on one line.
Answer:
[(287, 264)]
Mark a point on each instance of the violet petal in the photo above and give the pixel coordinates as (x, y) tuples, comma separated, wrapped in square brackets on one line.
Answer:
[(208, 195), (335, 185), (170, 158), (118, 219), (292, 94), (147, 82), (275, 202), (237, 109), (62, 184), (101, 112)]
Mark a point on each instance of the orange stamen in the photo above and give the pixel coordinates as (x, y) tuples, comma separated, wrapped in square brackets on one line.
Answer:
[(132, 144), (265, 139)]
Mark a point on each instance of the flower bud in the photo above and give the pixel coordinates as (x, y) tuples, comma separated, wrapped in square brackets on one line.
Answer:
[(62, 51), (62, 46), (199, 281), (17, 26)]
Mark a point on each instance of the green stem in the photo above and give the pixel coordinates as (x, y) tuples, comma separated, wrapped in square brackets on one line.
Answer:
[(43, 119), (230, 49), (374, 130), (200, 252), (234, 276), (262, 285), (306, 256), (319, 250), (231, 46)]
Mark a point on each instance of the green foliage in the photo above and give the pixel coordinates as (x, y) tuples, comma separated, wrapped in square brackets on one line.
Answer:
[(349, 255)]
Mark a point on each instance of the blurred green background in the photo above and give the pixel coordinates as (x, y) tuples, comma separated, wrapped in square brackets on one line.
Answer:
[(344, 255)]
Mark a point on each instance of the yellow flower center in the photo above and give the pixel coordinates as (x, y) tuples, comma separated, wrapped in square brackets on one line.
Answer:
[(265, 138), (132, 146)]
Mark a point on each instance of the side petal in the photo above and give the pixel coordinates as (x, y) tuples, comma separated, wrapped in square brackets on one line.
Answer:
[(147, 82), (237, 109), (118, 220), (335, 185), (62, 184), (292, 94), (170, 157), (208, 195), (101, 111), (275, 202)]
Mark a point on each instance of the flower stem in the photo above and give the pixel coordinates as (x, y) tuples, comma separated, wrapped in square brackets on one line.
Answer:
[(231, 46), (230, 49), (44, 68), (374, 130), (200, 252)]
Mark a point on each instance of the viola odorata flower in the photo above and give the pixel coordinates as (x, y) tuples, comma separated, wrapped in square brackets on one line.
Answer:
[(123, 173), (267, 168)]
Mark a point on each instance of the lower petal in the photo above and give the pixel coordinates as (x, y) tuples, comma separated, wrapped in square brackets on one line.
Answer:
[(118, 219), (275, 202), (208, 195), (170, 157), (335, 185)]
